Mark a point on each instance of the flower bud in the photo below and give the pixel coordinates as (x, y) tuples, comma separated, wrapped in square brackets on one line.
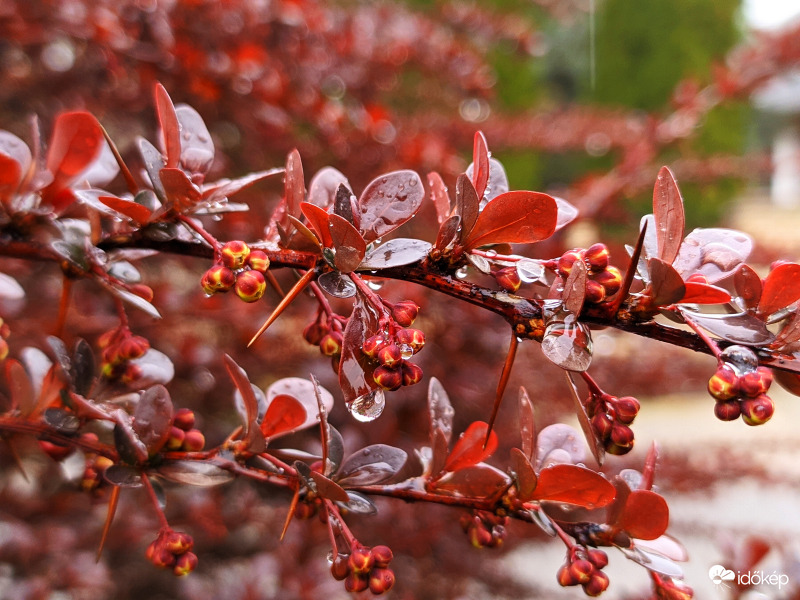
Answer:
[(383, 555), (143, 291), (314, 332), (55, 451), (622, 435), (598, 558), (757, 411), (381, 580), (413, 338), (626, 409), (340, 568), (404, 312), (258, 261), (581, 570), (595, 292), (610, 279), (602, 424), (133, 347), (175, 439), (755, 383), (508, 278), (361, 560), (194, 440), (389, 378), (183, 419), (389, 355), (331, 344), (356, 582), (234, 254), (372, 345), (250, 286), (178, 542), (161, 557), (727, 410), (597, 584), (724, 383), (218, 279), (596, 257), (479, 535), (566, 261), (185, 564), (412, 374), (4, 349), (565, 577)]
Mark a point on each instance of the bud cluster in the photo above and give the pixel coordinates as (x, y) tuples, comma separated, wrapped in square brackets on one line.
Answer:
[(183, 436), (5, 331), (172, 550), (328, 337), (610, 418), (94, 468), (584, 567), (391, 351), (119, 346), (484, 529), (603, 280), (364, 568), (740, 387), (240, 268)]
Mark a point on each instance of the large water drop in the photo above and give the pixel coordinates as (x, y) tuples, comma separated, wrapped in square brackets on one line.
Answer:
[(368, 407)]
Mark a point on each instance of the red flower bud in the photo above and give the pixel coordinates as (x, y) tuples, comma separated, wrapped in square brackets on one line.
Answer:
[(413, 338), (610, 279), (143, 291), (372, 345), (133, 347), (757, 411), (340, 568), (314, 332), (331, 344), (183, 419), (508, 278), (565, 577), (234, 254), (724, 383), (581, 570), (412, 373), (194, 440), (218, 279), (361, 560), (727, 410), (755, 383), (381, 580), (596, 585), (598, 558), (383, 555), (250, 286), (404, 312), (389, 355), (389, 378), (356, 583), (185, 564), (258, 261), (596, 257), (595, 292), (566, 261), (626, 409), (175, 439), (602, 425), (55, 451), (178, 542)]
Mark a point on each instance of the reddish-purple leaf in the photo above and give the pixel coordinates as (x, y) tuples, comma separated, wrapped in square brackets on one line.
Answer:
[(396, 252), (703, 293), (304, 392), (170, 127), (137, 213), (15, 149), (480, 163), (222, 189), (469, 449), (595, 444), (355, 369), (318, 219), (666, 285), (242, 383), (668, 213), (527, 425), (345, 204), (448, 231), (152, 418), (525, 475), (559, 440), (467, 205), (781, 288), (713, 252), (441, 413), (439, 196), (194, 472), (323, 185), (742, 328), (371, 465), (790, 332), (196, 145), (573, 485), (517, 217), (10, 175), (350, 247), (329, 489), (646, 515), (285, 413), (575, 288), (748, 285), (76, 141), (294, 185), (181, 193), (20, 387), (389, 201), (477, 481)]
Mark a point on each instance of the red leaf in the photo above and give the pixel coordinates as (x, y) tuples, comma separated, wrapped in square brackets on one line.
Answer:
[(170, 127), (389, 201), (703, 293), (152, 418), (283, 414), (329, 489), (517, 217), (439, 196), (295, 189), (477, 481), (646, 515), (526, 476), (318, 219), (781, 288), (20, 387), (575, 288), (748, 285), (469, 449), (10, 174), (574, 485), (666, 285), (76, 142), (448, 231), (468, 205), (668, 213), (480, 163), (355, 369), (138, 213), (242, 383), (349, 245), (323, 185), (181, 193), (527, 425)]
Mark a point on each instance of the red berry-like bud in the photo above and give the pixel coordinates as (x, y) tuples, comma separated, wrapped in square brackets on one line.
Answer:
[(356, 582), (389, 378), (596, 257), (755, 383), (622, 435), (389, 355), (610, 279), (234, 254), (596, 585), (381, 580), (305, 510), (602, 424), (479, 535), (4, 349), (55, 451), (133, 347), (727, 410), (626, 409), (143, 291), (383, 555), (258, 261), (757, 411), (404, 312), (598, 558), (508, 278), (566, 261), (175, 439), (331, 344), (581, 570), (185, 564), (372, 345), (565, 577), (361, 560), (194, 440), (595, 292), (314, 332), (412, 373), (724, 383), (250, 285), (161, 557), (183, 419), (218, 279), (178, 542), (413, 338), (340, 568)]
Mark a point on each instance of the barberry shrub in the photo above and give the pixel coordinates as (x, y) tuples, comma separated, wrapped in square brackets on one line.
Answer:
[(97, 393)]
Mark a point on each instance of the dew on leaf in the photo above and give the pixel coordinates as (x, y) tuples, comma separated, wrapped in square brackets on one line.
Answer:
[(368, 407)]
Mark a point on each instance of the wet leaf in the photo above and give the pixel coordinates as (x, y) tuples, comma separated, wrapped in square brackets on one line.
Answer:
[(131, 449), (480, 163), (17, 152), (748, 286), (575, 288), (194, 472), (153, 163), (338, 285), (349, 245), (666, 285), (76, 142), (572, 484), (567, 213), (318, 219), (441, 200), (790, 333), (498, 180), (10, 176), (303, 391), (133, 211), (669, 217), (294, 185), (441, 413), (467, 205), (329, 489), (702, 293), (20, 387), (371, 465), (448, 232), (323, 185), (170, 127), (595, 445), (62, 421), (196, 145), (335, 454), (250, 430), (665, 546), (395, 253), (525, 475), (469, 449), (345, 205), (152, 418), (355, 369), (559, 436), (741, 328), (359, 504), (527, 425), (181, 194), (646, 515), (653, 562), (284, 414), (781, 288), (517, 217), (713, 252), (389, 201), (123, 476), (155, 367), (477, 481)]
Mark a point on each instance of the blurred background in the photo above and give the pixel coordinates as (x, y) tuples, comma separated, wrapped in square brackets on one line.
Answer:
[(584, 99)]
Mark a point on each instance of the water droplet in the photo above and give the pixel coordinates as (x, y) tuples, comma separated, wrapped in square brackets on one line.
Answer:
[(491, 253), (217, 218), (367, 452), (461, 273), (375, 285), (368, 407), (208, 295), (519, 339), (530, 271), (741, 358), (412, 182), (186, 136), (568, 344), (329, 557), (406, 351)]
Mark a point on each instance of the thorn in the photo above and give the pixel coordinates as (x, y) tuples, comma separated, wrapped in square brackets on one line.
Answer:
[(112, 509), (289, 516), (629, 274), (287, 299), (501, 385)]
